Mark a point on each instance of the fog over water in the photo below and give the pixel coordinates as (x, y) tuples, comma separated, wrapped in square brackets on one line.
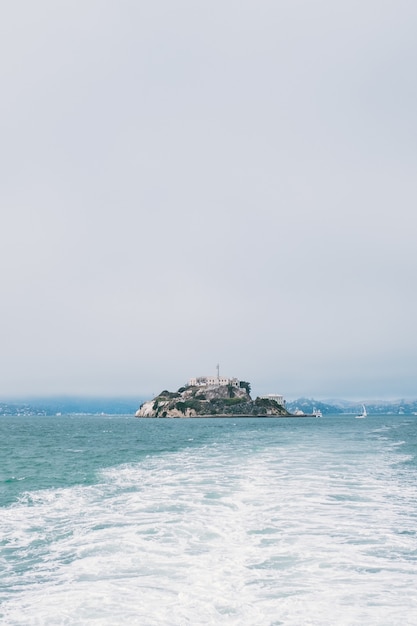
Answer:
[(192, 183)]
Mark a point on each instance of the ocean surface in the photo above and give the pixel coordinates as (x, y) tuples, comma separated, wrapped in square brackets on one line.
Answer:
[(113, 520)]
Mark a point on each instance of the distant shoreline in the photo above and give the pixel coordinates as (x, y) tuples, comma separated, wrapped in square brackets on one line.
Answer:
[(229, 416)]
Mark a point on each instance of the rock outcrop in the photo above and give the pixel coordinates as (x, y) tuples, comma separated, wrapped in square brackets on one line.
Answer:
[(210, 400)]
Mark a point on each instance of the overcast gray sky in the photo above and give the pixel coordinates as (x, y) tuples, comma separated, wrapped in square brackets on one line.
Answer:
[(186, 183)]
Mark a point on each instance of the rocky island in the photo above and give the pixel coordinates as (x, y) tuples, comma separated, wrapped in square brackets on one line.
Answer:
[(212, 397)]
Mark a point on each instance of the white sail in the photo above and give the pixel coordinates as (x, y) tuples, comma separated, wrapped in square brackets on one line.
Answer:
[(364, 413)]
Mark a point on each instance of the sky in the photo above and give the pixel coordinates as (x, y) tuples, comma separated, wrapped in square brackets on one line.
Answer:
[(192, 183)]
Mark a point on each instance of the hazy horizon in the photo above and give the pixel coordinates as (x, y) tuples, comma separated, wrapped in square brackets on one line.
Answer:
[(141, 397), (186, 184)]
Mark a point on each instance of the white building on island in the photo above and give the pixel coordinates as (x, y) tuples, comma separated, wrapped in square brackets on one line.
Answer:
[(278, 398), (219, 381)]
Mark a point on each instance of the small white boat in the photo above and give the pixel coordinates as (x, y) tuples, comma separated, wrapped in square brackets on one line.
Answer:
[(363, 414), (317, 413)]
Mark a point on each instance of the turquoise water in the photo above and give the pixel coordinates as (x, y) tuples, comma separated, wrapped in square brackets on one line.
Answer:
[(114, 520), (46, 452)]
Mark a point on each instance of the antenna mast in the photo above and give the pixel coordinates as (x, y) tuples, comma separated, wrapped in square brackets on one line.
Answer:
[(218, 370)]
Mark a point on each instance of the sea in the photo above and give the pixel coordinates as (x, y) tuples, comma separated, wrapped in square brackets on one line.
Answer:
[(114, 520)]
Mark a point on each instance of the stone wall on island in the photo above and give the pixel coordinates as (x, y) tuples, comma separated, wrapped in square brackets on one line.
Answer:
[(209, 400)]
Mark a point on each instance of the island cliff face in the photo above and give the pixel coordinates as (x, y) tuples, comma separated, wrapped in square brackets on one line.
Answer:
[(210, 400)]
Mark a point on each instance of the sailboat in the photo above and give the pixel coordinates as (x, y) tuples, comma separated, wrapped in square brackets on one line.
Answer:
[(363, 414)]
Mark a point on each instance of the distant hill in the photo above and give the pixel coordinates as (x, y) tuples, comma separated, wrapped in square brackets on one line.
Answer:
[(346, 407), (79, 405), (70, 406), (308, 405)]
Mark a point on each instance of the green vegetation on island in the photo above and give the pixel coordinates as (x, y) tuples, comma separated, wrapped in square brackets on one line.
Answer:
[(210, 400)]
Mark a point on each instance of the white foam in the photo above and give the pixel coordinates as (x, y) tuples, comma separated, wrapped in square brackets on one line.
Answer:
[(219, 535)]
